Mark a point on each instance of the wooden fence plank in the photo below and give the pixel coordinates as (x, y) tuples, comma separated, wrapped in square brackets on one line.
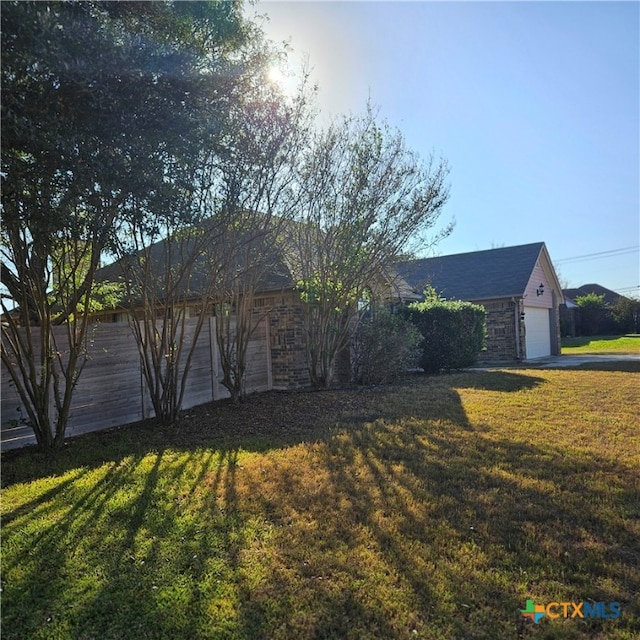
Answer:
[(111, 391)]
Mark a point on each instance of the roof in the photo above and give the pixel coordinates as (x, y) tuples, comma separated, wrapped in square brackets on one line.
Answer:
[(479, 275), (610, 297), (274, 276)]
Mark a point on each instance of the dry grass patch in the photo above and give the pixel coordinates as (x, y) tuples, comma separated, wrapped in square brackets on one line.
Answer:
[(432, 509)]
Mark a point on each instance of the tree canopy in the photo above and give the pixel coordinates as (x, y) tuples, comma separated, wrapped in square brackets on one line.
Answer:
[(106, 108), (127, 124), (365, 199)]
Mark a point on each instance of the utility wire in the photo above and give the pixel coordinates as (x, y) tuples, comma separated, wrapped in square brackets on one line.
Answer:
[(612, 253), (627, 289)]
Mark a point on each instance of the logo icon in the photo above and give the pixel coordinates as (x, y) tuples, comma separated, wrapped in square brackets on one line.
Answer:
[(534, 612)]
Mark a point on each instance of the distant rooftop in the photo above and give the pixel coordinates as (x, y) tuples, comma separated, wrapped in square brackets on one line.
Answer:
[(610, 297)]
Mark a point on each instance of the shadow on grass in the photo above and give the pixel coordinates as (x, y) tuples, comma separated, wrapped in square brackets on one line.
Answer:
[(446, 532), (496, 380), (121, 554), (263, 422), (399, 519)]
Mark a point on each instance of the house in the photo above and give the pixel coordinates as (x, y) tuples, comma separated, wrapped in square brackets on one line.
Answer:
[(610, 297), (276, 298), (517, 286)]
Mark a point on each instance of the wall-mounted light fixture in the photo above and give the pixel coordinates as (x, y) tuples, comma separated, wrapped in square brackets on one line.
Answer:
[(540, 290)]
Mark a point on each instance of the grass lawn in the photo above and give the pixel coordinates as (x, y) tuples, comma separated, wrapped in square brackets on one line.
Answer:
[(601, 344), (431, 509)]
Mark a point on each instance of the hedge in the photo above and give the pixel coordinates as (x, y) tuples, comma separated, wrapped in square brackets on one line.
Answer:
[(454, 333)]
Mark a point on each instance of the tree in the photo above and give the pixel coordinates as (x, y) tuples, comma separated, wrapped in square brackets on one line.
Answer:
[(102, 105), (626, 313), (212, 260), (593, 313), (166, 282), (256, 173), (365, 198)]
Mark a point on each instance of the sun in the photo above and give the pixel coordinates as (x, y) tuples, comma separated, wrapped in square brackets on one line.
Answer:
[(282, 79), (276, 75)]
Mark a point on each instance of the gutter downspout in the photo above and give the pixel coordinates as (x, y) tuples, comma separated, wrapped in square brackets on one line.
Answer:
[(516, 317)]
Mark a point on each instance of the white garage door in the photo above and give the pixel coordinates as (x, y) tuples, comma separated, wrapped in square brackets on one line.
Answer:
[(538, 336)]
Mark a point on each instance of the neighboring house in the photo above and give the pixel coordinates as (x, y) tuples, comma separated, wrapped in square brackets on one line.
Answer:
[(517, 286), (569, 311), (610, 297)]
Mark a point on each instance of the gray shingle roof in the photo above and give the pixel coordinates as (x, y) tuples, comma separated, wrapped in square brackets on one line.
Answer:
[(479, 275), (274, 277), (610, 297)]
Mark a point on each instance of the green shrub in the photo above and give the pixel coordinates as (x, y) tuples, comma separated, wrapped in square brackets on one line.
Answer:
[(384, 347), (454, 333), (594, 316)]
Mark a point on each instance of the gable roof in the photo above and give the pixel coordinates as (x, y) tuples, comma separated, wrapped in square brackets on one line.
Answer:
[(610, 297), (479, 275)]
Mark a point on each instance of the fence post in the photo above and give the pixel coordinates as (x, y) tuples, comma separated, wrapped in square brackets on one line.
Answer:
[(213, 348), (267, 342)]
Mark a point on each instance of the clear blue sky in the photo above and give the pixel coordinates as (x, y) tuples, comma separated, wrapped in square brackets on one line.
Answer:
[(535, 105)]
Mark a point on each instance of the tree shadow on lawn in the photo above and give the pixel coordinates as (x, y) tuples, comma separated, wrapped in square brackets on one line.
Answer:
[(124, 553), (263, 422), (448, 532), (392, 523)]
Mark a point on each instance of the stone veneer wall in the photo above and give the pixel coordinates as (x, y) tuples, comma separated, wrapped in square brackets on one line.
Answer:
[(501, 330), (288, 346), (288, 350)]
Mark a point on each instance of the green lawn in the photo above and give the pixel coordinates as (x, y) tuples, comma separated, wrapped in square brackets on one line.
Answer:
[(602, 344), (431, 509)]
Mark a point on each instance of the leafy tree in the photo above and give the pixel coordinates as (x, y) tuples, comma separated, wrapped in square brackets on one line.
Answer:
[(365, 199), (626, 313), (593, 313), (102, 110), (165, 283), (215, 264), (213, 260), (254, 182)]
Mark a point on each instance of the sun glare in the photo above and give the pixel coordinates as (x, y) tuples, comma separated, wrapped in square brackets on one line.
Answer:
[(284, 81)]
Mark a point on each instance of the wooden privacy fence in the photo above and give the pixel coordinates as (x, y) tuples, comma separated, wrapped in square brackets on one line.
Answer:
[(111, 390)]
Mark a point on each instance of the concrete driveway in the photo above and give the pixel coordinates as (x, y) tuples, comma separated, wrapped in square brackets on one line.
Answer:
[(575, 360), (554, 362)]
